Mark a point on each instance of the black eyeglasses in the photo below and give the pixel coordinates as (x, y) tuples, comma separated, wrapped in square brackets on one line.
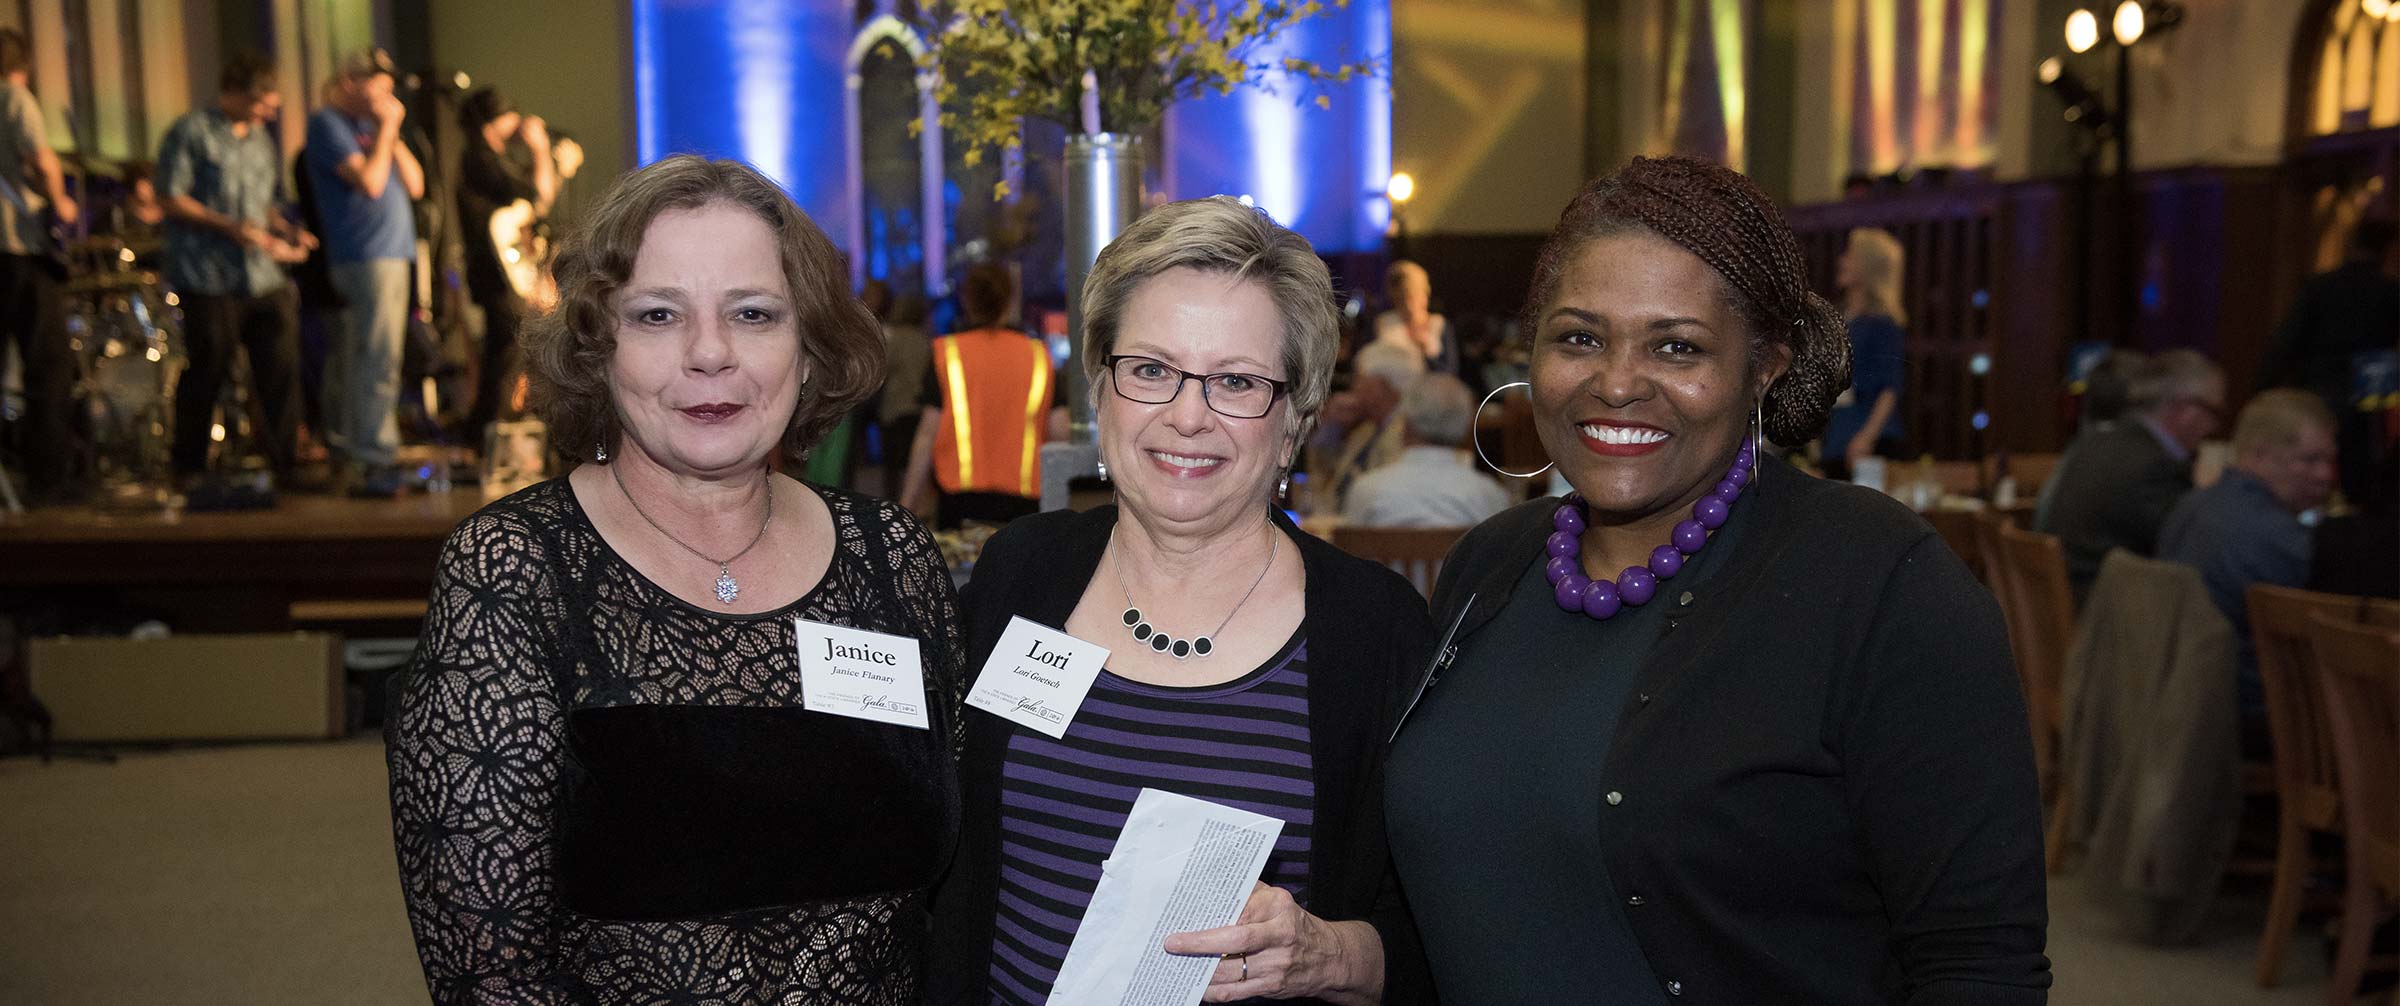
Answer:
[(1234, 395)]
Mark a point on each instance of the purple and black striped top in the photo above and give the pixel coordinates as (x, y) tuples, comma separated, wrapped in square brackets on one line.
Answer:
[(1244, 743)]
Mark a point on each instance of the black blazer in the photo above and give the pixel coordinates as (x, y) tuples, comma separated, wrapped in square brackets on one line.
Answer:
[(1366, 630), (1827, 780), (2113, 489)]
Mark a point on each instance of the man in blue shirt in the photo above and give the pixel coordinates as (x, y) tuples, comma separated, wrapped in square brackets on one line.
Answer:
[(218, 179), (365, 181), (2247, 528)]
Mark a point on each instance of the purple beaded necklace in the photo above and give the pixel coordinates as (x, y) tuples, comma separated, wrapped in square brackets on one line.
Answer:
[(1601, 599)]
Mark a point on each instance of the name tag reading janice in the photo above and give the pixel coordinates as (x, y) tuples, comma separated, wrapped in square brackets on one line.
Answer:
[(1037, 677), (860, 674)]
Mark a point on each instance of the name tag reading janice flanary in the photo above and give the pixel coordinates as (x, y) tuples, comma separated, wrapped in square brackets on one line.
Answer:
[(1037, 677), (861, 674)]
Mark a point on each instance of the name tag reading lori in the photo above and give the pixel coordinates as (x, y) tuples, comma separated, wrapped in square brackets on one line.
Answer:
[(861, 674), (1037, 676)]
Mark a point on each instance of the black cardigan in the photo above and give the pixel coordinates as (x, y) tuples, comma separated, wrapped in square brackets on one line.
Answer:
[(1366, 630), (1826, 777)]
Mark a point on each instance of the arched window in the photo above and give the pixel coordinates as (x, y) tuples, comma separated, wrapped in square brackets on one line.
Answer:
[(899, 229), (2358, 69)]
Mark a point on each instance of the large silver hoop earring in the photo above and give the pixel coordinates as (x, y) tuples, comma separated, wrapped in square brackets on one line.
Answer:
[(1478, 441)]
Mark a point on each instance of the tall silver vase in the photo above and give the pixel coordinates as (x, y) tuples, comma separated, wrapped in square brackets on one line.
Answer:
[(1104, 194)]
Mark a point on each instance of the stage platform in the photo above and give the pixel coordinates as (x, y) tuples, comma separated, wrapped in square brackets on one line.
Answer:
[(311, 561)]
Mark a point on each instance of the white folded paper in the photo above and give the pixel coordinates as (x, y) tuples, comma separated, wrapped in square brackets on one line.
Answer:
[(1180, 865)]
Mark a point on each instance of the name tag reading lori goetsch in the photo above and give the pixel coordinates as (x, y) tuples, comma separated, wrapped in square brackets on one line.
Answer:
[(1037, 676), (867, 675)]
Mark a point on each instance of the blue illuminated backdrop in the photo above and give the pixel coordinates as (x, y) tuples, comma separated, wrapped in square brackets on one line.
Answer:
[(761, 80), (765, 81), (1319, 171)]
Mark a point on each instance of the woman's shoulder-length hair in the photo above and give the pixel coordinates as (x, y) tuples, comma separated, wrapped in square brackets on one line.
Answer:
[(567, 351)]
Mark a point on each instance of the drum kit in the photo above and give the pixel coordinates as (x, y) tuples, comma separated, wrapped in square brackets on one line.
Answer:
[(125, 337)]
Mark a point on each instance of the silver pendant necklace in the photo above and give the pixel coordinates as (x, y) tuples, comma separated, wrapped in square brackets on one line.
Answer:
[(1180, 649), (728, 588)]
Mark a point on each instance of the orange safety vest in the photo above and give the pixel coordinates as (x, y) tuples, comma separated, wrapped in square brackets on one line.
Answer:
[(995, 386)]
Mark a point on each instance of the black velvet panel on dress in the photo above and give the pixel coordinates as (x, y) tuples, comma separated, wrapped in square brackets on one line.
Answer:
[(678, 811), (604, 794)]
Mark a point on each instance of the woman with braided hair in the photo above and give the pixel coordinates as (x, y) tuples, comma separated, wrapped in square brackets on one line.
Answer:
[(1709, 730)]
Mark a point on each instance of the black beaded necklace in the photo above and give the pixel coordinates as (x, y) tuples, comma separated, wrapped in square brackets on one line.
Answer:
[(1180, 649)]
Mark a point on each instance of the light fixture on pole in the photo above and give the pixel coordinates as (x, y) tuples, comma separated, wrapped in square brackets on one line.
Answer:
[(2128, 24), (2083, 31), (2131, 22), (1399, 190)]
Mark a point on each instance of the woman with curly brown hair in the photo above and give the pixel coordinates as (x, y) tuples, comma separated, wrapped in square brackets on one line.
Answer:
[(679, 727), (1709, 730)]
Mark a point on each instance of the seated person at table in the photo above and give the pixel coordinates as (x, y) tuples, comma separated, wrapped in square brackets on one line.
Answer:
[(1361, 427), (2116, 483), (1433, 483), (2246, 528)]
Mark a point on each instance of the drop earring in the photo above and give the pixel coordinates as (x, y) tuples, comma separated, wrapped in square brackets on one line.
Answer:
[(1283, 486), (600, 453), (1103, 466)]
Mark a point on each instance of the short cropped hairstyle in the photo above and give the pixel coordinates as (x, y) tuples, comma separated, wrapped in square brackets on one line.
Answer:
[(15, 55), (248, 72), (567, 351), (1219, 235), (365, 64), (1400, 366), (1439, 410), (986, 296), (2177, 375), (2275, 419)]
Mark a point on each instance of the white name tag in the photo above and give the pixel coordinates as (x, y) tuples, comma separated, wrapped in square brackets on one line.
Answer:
[(861, 674), (1037, 677)]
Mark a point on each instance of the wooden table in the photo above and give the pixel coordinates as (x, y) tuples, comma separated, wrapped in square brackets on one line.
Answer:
[(310, 559)]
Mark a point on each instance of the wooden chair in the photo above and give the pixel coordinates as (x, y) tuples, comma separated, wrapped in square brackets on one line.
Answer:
[(1957, 528), (1988, 522), (2040, 611), (2030, 471), (1415, 553), (2307, 799), (2358, 669)]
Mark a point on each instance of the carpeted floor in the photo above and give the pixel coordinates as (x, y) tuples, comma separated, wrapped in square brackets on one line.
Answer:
[(235, 875), (264, 875)]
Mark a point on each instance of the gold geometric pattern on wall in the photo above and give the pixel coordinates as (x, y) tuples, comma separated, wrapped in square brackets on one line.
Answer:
[(1482, 65)]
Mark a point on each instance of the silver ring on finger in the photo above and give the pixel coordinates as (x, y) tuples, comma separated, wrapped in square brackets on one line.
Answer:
[(1245, 967)]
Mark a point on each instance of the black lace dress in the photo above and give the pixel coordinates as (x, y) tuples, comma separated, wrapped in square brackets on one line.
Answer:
[(603, 794)]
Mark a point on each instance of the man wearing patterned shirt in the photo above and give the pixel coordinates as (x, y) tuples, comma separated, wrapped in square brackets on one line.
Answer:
[(226, 245)]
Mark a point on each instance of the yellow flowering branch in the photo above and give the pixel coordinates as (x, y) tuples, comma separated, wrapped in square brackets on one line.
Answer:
[(997, 62)]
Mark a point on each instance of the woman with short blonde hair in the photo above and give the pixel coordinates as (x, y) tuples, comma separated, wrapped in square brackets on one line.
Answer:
[(1249, 664)]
